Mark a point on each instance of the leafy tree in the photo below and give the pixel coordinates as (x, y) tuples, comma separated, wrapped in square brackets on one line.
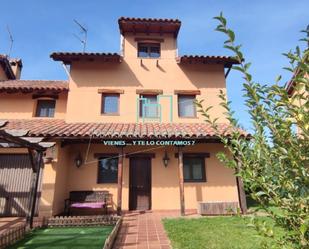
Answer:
[(274, 162)]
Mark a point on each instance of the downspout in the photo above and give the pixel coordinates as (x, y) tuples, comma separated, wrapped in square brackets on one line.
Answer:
[(227, 72), (66, 70)]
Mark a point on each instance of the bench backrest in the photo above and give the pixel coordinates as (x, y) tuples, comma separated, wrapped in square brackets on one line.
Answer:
[(90, 196)]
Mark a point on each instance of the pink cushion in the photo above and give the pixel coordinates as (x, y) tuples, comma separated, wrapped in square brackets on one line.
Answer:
[(88, 205)]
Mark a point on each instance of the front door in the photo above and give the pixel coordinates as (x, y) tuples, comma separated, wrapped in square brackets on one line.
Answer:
[(140, 183)]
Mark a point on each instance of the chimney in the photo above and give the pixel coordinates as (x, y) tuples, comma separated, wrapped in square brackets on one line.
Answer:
[(16, 66)]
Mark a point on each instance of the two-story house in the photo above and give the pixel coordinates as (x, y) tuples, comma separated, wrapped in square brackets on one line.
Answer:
[(127, 123)]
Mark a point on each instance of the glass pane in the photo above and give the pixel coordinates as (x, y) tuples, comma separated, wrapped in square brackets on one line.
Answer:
[(193, 169), (186, 106), (149, 106), (110, 104), (45, 108), (142, 51), (186, 172), (197, 173), (108, 170), (155, 51)]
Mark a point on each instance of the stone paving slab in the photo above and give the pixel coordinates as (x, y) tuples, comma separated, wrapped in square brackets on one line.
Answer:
[(144, 230)]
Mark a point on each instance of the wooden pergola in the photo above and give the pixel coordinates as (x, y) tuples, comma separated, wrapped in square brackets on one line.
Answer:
[(36, 149)]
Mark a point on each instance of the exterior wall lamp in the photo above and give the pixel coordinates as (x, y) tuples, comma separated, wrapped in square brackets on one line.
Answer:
[(78, 160), (165, 159)]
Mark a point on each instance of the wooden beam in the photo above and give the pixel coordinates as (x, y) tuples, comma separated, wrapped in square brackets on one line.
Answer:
[(112, 91), (187, 92), (149, 91), (241, 190), (181, 181), (3, 122), (17, 140), (97, 155), (98, 140), (38, 161), (119, 187), (151, 155), (241, 195), (50, 96), (32, 159), (205, 154), (149, 40)]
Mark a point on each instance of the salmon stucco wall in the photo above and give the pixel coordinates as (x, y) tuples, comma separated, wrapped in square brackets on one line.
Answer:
[(220, 184), (84, 101), (22, 106), (54, 182)]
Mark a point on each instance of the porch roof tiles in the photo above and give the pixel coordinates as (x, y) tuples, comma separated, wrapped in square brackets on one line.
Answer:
[(33, 85), (148, 25), (59, 128), (69, 57), (227, 61)]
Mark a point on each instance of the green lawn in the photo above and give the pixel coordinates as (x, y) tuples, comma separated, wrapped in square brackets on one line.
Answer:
[(213, 233), (65, 238)]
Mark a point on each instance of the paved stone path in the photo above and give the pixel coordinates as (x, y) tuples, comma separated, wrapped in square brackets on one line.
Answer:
[(143, 230)]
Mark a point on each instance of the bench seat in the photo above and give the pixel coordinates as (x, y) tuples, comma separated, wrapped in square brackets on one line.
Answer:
[(88, 200)]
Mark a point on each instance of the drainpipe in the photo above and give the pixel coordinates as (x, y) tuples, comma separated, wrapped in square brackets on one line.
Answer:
[(228, 71), (66, 70)]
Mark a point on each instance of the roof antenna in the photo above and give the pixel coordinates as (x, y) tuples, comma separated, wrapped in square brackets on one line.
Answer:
[(11, 40), (84, 31)]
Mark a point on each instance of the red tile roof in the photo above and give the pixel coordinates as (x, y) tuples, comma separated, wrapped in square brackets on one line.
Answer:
[(68, 57), (59, 128), (137, 19), (206, 59), (148, 25), (33, 85)]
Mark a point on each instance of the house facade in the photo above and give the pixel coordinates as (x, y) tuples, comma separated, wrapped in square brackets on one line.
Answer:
[(126, 123)]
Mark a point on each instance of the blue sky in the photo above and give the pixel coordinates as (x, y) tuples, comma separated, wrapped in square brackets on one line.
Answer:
[(266, 29)]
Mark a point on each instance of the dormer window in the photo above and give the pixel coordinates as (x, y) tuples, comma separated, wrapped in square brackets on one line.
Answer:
[(45, 108), (148, 50)]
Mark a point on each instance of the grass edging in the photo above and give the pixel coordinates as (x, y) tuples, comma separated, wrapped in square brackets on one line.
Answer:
[(14, 235), (109, 242)]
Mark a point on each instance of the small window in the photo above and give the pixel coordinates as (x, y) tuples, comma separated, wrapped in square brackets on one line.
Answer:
[(148, 106), (110, 104), (108, 170), (194, 169), (186, 106), (45, 108), (148, 50)]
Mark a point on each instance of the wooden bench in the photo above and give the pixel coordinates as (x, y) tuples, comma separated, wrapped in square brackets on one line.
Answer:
[(88, 200)]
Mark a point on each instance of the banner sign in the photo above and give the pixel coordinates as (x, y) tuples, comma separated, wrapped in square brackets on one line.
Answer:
[(149, 142)]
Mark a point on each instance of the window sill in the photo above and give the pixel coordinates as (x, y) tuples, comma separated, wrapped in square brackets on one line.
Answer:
[(110, 114), (194, 182), (189, 117), (43, 117), (150, 117), (149, 58), (107, 183)]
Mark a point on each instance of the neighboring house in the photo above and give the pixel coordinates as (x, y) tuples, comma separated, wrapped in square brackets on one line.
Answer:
[(144, 95), (10, 69)]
